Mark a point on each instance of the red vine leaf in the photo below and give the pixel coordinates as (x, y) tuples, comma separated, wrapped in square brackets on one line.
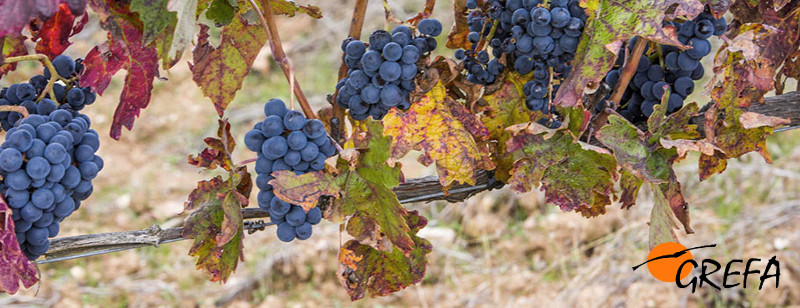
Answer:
[(365, 271), (610, 23), (719, 7), (574, 175), (15, 265), (141, 62), (17, 13), (448, 132), (54, 33), (11, 46), (220, 71), (219, 150)]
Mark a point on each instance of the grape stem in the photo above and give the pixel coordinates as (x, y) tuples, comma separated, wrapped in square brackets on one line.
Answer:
[(46, 62), (246, 161), (267, 19), (356, 24), (19, 109), (389, 17)]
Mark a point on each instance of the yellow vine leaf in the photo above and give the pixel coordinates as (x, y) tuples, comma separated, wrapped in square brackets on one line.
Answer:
[(449, 134)]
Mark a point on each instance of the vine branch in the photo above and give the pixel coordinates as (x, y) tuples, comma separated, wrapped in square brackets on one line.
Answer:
[(424, 189), (356, 24), (274, 38)]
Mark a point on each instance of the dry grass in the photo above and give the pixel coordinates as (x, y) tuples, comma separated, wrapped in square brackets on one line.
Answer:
[(497, 249)]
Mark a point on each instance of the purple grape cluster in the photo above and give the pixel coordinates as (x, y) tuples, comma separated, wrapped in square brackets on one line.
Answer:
[(47, 163), (381, 73), (535, 37), (70, 97), (676, 71), (286, 140)]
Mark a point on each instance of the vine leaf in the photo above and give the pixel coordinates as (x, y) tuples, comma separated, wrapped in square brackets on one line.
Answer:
[(363, 270), (629, 186), (632, 151), (662, 226), (304, 190), (184, 27), (363, 190), (671, 191), (746, 67), (218, 258), (140, 61), (458, 33), (610, 23), (15, 265), (53, 37), (574, 175), (11, 46), (154, 16), (448, 132), (501, 109), (219, 71), (216, 224), (219, 150), (290, 8), (17, 13)]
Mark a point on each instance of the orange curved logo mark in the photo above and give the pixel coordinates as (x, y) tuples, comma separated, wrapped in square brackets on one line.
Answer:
[(666, 259)]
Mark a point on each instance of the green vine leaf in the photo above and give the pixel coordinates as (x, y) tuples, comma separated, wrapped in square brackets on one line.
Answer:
[(574, 175), (366, 271), (363, 191), (632, 151), (154, 16), (662, 226)]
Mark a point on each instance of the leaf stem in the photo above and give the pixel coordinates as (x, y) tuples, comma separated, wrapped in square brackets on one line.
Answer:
[(268, 22), (356, 24)]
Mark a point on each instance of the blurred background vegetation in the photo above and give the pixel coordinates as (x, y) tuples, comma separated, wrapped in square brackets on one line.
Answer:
[(498, 248)]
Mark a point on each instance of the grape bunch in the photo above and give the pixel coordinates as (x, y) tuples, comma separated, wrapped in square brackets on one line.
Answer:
[(286, 140), (47, 162), (70, 96), (676, 71), (381, 73), (533, 36)]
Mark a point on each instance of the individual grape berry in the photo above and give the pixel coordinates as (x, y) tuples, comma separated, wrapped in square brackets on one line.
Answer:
[(286, 232), (303, 231), (64, 65), (430, 27)]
